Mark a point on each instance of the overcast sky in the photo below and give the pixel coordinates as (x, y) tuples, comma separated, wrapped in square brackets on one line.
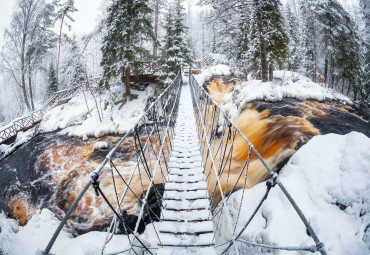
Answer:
[(85, 18)]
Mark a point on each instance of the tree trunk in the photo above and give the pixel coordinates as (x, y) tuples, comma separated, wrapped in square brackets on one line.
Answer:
[(342, 86), (155, 47), (23, 78), (271, 71), (263, 54), (127, 82), (30, 84), (60, 41), (349, 87)]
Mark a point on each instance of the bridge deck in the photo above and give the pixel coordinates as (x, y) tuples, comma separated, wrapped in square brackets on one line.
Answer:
[(185, 226)]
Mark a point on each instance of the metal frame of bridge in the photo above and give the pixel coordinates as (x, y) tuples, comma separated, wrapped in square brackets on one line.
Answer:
[(188, 145)]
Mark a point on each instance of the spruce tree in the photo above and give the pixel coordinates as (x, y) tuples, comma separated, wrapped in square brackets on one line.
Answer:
[(52, 81), (275, 35), (74, 68), (341, 45), (365, 7), (128, 27), (264, 38), (309, 39), (175, 52), (292, 28)]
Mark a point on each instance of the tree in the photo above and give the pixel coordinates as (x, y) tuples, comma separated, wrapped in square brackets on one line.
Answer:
[(341, 45), (309, 43), (127, 28), (264, 37), (156, 5), (65, 10), (175, 52), (74, 68), (292, 28), (365, 7), (26, 42), (52, 81)]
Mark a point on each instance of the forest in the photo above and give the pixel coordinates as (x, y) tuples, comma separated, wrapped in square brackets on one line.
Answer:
[(318, 38)]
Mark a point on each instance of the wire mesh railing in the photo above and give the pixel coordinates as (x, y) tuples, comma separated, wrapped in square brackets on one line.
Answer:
[(228, 156), (130, 180)]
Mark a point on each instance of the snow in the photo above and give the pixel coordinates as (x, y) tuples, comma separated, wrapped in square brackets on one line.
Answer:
[(22, 137), (331, 186), (286, 84), (75, 120), (34, 237), (206, 74), (101, 146)]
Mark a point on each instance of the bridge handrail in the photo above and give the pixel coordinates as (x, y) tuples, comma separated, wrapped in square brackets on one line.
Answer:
[(171, 102), (202, 104)]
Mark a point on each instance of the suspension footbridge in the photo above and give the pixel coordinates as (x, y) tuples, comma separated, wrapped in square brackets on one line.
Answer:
[(185, 142)]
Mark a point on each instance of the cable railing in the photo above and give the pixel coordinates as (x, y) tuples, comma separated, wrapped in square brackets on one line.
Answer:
[(226, 169), (131, 178)]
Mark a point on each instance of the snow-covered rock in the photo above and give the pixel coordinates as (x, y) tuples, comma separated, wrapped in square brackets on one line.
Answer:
[(329, 178)]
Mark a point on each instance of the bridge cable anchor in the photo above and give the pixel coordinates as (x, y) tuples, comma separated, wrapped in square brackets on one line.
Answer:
[(273, 180), (95, 182)]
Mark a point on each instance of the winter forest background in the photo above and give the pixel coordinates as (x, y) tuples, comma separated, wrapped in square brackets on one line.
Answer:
[(41, 53)]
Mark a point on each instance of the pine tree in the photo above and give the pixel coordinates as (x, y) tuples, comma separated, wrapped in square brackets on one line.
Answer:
[(176, 51), (127, 27), (74, 68), (52, 81)]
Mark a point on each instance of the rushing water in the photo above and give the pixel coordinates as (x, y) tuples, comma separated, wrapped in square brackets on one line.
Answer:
[(50, 170)]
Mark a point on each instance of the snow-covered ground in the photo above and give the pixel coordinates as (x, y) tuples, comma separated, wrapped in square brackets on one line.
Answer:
[(34, 237), (286, 84), (74, 120), (331, 186)]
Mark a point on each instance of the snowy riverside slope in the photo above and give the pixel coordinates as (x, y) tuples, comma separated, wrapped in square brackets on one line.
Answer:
[(80, 119)]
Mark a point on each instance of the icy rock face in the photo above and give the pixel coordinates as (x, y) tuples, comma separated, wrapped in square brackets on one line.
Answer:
[(329, 178)]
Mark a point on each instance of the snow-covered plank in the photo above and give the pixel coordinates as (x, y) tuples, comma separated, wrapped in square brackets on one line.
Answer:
[(186, 204), (186, 227), (195, 215), (187, 240), (188, 186), (189, 195)]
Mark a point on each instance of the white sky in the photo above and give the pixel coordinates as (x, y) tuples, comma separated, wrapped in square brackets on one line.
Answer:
[(85, 18)]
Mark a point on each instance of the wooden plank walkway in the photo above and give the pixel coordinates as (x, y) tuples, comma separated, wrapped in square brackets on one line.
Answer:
[(185, 226)]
